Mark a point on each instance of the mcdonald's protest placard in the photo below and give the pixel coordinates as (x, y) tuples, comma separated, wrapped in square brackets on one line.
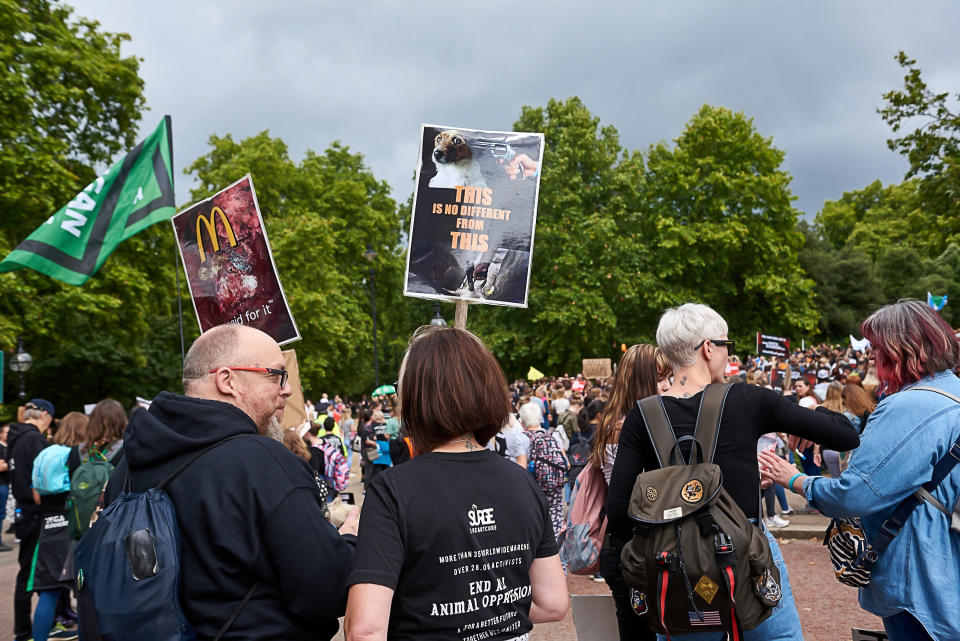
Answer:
[(229, 265), (772, 345), (474, 213)]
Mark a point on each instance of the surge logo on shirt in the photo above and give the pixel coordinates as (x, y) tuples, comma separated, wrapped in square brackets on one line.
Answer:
[(481, 520)]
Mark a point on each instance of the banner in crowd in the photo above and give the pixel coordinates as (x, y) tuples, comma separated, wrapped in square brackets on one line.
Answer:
[(597, 368), (295, 409), (772, 345), (474, 213), (133, 194), (229, 265)]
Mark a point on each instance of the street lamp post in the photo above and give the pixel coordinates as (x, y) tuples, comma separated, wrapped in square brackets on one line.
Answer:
[(370, 255), (20, 363), (437, 319)]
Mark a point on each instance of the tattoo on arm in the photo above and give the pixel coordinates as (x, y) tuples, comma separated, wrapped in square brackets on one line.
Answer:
[(686, 395), (683, 381)]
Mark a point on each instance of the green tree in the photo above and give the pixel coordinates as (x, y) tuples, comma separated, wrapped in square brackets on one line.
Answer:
[(847, 289), (70, 103), (320, 215), (876, 217), (719, 228), (928, 133)]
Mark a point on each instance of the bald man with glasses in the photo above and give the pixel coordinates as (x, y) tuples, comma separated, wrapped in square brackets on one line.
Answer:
[(246, 509)]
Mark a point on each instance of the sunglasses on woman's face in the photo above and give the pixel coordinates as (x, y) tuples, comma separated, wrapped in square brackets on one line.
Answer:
[(719, 342)]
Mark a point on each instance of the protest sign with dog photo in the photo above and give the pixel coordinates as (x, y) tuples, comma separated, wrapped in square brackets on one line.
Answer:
[(229, 265), (474, 213)]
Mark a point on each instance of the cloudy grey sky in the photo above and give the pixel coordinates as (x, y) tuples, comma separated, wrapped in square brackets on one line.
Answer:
[(367, 73)]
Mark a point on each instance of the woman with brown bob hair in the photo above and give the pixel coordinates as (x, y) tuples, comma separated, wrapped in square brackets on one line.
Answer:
[(458, 538), (914, 580)]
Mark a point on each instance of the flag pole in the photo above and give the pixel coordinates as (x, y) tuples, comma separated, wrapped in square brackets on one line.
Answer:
[(176, 251), (176, 269)]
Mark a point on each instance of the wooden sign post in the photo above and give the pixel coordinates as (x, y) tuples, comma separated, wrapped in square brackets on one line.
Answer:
[(460, 314)]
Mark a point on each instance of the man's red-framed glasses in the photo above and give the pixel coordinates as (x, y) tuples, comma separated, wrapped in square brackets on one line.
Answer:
[(282, 373)]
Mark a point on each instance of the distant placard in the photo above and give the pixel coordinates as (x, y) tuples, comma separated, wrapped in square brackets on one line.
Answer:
[(597, 368), (295, 410), (474, 214), (772, 345)]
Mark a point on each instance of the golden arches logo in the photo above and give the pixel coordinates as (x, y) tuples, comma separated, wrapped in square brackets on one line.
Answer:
[(211, 225)]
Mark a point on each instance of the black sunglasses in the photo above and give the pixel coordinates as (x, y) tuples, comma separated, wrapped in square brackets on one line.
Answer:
[(730, 345)]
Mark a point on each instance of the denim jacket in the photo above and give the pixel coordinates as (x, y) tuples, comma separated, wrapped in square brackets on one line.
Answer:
[(903, 439)]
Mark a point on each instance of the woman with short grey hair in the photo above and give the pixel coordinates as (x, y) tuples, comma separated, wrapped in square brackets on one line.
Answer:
[(681, 331), (694, 338)]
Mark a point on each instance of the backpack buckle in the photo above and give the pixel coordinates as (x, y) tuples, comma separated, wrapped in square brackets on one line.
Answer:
[(667, 561), (724, 549)]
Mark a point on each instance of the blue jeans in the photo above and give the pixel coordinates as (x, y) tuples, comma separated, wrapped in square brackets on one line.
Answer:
[(782, 625)]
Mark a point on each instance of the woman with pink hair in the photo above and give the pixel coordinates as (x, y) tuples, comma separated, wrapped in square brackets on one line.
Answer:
[(913, 586)]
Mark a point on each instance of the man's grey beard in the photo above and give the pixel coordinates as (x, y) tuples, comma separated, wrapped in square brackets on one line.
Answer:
[(274, 430)]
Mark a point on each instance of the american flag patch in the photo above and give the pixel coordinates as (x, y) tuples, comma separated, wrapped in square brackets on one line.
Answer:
[(710, 618)]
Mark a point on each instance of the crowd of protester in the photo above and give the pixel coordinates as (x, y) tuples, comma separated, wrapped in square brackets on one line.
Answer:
[(467, 481)]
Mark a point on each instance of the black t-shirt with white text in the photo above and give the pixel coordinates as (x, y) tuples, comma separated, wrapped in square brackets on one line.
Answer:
[(454, 535)]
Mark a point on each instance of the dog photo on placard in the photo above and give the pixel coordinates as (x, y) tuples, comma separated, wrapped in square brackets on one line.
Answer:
[(454, 162)]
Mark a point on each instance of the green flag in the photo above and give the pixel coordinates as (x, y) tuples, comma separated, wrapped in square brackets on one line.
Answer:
[(134, 193)]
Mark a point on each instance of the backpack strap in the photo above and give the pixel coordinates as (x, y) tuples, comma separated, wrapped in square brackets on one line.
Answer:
[(240, 606), (708, 419), (192, 460), (659, 429)]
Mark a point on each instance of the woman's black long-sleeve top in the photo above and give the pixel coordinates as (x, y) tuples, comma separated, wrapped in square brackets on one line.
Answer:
[(749, 412)]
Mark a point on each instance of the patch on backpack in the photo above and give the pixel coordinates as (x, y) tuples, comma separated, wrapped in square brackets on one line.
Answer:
[(651, 493), (707, 588), (692, 491), (638, 602), (767, 588)]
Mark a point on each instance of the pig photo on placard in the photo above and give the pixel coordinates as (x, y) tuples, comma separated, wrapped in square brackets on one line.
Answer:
[(474, 214), (230, 269)]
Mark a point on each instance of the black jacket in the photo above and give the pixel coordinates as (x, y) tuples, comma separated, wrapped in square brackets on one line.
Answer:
[(249, 511), (24, 442)]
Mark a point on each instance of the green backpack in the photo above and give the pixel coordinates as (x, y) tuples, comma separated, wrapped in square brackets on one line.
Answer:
[(86, 489), (695, 562)]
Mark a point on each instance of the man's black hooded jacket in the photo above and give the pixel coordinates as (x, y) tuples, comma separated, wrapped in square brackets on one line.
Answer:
[(248, 511), (24, 442)]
